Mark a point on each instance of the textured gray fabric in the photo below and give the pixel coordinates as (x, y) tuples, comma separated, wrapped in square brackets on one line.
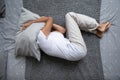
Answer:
[(110, 43), (11, 68), (3, 57), (50, 68)]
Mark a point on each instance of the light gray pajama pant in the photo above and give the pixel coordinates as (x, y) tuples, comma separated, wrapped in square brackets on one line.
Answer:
[(75, 23)]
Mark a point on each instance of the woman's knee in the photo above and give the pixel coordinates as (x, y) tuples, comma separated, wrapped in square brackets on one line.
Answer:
[(70, 14)]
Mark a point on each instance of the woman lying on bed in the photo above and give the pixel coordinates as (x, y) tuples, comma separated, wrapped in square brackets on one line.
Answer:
[(73, 47)]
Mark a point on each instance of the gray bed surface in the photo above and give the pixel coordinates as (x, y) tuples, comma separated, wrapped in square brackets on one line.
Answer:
[(10, 66), (15, 65), (51, 68), (110, 43), (3, 57)]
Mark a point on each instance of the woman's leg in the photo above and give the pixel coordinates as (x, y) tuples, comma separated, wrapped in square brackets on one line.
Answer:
[(73, 32), (89, 24), (85, 23)]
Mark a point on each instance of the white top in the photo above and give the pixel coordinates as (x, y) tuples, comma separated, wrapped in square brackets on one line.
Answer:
[(58, 46)]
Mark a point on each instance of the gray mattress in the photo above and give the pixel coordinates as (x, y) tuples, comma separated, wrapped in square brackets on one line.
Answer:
[(110, 43), (9, 64), (51, 68)]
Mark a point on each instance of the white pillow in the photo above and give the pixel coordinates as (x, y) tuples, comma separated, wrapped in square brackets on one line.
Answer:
[(26, 44), (27, 15)]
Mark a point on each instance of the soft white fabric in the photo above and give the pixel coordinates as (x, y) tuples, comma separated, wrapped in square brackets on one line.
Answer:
[(56, 45), (73, 31), (26, 44), (27, 15)]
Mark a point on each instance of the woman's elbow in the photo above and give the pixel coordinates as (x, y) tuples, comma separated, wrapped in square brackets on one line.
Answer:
[(50, 18)]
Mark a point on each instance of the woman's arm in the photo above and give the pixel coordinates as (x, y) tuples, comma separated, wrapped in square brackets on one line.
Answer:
[(27, 24), (48, 26), (59, 28), (41, 19)]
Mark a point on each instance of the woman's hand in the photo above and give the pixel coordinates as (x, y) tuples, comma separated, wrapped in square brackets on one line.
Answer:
[(27, 24)]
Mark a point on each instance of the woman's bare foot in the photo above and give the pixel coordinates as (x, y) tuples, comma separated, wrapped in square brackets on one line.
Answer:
[(102, 28), (99, 34)]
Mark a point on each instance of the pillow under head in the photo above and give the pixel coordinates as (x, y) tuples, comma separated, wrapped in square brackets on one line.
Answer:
[(26, 44)]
